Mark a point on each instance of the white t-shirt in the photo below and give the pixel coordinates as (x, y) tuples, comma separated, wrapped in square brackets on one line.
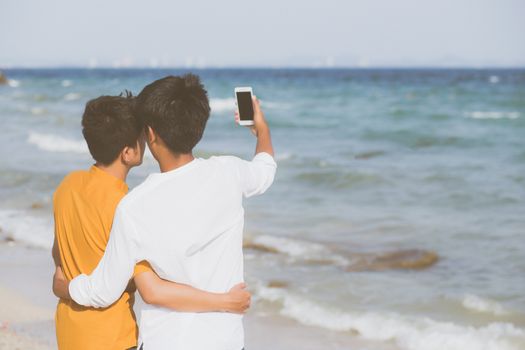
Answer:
[(188, 224)]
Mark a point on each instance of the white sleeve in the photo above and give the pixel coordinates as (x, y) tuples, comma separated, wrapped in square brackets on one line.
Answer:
[(110, 278), (257, 175)]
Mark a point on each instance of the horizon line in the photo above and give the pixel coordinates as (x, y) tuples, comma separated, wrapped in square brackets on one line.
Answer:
[(400, 67)]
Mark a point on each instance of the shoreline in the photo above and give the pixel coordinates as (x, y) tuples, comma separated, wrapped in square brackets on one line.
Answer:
[(27, 308)]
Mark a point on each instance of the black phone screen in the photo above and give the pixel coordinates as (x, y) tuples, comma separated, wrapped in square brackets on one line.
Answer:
[(244, 102)]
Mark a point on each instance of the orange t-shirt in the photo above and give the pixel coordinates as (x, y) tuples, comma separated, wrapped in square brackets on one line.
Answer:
[(84, 205)]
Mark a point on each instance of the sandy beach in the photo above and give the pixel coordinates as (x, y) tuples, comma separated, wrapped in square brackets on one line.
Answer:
[(398, 221), (27, 311)]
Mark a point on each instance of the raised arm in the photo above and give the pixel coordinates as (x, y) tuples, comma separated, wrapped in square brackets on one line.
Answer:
[(110, 278), (184, 298), (260, 129), (257, 175)]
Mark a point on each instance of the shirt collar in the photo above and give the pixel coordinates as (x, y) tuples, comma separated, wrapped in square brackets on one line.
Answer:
[(109, 178)]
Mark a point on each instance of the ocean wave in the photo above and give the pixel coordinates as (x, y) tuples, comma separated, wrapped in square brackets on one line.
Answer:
[(66, 83), (18, 225), (479, 304), (421, 139), (12, 178), (301, 251), (222, 104), (296, 250), (38, 110), (13, 83), (54, 143), (337, 179), (411, 333), (72, 96), (492, 115), (283, 156), (494, 79), (274, 105)]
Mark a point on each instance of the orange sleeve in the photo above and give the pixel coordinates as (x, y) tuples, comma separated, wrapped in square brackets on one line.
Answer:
[(141, 267)]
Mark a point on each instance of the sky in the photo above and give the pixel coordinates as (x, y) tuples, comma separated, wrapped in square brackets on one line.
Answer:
[(269, 33)]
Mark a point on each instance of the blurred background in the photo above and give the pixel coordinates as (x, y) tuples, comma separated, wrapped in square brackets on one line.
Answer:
[(397, 217)]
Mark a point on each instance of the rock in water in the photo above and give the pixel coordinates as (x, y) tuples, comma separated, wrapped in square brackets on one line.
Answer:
[(410, 259), (259, 247), (3, 79), (37, 205), (369, 154), (277, 284)]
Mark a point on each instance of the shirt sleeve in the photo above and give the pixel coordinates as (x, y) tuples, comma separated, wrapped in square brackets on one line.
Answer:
[(141, 267), (257, 175), (110, 278)]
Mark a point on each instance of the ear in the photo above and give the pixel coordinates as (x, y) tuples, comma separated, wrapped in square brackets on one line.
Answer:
[(151, 135), (128, 154)]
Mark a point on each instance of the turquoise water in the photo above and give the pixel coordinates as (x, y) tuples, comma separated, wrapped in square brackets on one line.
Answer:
[(370, 162)]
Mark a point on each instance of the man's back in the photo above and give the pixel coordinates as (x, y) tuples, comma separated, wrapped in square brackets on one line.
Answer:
[(189, 223), (84, 206)]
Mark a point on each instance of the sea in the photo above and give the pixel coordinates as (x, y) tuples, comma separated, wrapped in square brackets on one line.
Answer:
[(397, 214)]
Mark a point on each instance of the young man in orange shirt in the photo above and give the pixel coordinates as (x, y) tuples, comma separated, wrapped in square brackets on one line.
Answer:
[(84, 206)]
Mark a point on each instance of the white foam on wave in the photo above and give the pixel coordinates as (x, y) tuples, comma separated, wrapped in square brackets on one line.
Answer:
[(494, 79), (37, 110), (27, 228), (66, 83), (72, 96), (479, 304), (299, 249), (273, 105), (222, 104), (283, 156), (492, 115), (292, 247), (13, 83), (54, 143), (410, 333)]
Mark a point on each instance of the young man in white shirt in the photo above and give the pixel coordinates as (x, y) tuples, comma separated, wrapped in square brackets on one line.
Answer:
[(186, 221)]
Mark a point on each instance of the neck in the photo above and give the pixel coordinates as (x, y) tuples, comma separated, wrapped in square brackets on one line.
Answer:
[(170, 161), (117, 169)]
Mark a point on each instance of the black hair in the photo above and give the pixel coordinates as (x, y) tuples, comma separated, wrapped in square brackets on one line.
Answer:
[(177, 109), (109, 124)]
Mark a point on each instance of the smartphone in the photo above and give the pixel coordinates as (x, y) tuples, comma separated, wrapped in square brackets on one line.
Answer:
[(243, 96)]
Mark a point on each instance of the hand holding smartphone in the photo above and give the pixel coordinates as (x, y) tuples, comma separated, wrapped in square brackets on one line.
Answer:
[(250, 114)]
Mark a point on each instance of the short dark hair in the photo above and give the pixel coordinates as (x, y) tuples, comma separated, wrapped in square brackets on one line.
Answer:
[(108, 125), (177, 109)]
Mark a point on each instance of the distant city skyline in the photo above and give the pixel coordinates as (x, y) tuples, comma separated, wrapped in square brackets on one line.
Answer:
[(235, 33)]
